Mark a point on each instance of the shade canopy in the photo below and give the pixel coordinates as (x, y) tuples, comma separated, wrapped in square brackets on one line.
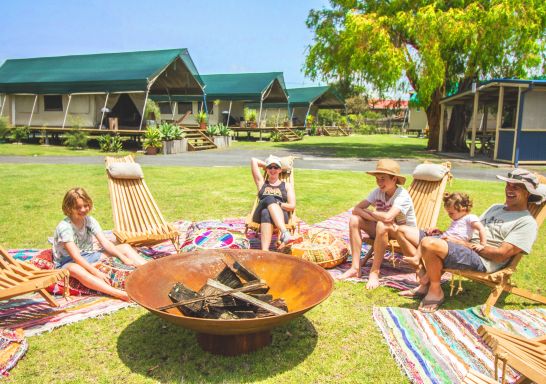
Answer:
[(268, 87), (324, 97), (162, 72)]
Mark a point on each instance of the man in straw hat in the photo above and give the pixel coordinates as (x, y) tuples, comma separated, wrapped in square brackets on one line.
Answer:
[(510, 229), (392, 205)]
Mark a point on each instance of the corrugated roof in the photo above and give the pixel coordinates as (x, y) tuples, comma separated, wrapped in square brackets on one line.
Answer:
[(104, 72)]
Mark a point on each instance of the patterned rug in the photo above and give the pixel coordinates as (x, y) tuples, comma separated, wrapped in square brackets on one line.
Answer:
[(35, 315), (440, 347), (13, 347)]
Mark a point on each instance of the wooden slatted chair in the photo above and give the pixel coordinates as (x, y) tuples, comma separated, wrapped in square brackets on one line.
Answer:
[(18, 278), (427, 197), (527, 356), (499, 281), (137, 218), (288, 177), (475, 377)]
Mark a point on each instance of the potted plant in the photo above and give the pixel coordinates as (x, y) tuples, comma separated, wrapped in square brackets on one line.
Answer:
[(173, 138), (250, 117), (152, 113), (152, 140), (221, 135), (201, 119)]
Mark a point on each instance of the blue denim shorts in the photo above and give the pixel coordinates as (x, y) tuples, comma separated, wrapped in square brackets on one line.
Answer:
[(91, 256), (461, 257)]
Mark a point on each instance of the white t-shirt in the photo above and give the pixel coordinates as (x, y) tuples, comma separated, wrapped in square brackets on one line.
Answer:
[(518, 228), (83, 237), (400, 199), (462, 228)]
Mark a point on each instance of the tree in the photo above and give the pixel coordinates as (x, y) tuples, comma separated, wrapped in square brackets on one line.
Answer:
[(434, 45)]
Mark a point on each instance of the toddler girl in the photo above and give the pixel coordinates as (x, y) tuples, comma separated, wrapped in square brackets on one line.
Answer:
[(463, 224)]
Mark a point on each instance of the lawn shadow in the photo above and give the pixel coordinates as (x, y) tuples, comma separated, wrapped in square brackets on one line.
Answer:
[(394, 149), (155, 348)]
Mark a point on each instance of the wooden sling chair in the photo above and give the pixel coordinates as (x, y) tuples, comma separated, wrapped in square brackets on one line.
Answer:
[(288, 177), (427, 197), (499, 281), (18, 278), (527, 356), (137, 218)]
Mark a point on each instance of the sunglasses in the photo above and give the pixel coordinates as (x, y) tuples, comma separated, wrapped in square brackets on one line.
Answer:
[(273, 167)]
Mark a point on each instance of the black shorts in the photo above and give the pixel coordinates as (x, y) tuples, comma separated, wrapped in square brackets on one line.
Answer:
[(461, 257), (261, 214)]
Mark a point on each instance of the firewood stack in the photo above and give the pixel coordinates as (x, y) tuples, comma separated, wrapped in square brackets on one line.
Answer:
[(235, 293)]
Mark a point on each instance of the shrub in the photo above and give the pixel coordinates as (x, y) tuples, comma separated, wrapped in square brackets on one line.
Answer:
[(275, 136), (201, 117), (212, 130), (249, 114), (20, 133), (4, 127), (170, 131), (152, 138), (109, 143), (76, 139), (152, 112), (300, 133), (224, 130)]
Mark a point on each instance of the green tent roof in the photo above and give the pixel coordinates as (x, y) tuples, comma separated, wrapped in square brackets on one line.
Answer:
[(245, 86), (105, 72), (322, 97)]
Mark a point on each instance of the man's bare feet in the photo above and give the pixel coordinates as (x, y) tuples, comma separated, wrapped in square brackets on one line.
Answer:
[(351, 272), (373, 281)]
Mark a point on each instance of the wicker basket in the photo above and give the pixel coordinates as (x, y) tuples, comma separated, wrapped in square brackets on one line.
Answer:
[(322, 248)]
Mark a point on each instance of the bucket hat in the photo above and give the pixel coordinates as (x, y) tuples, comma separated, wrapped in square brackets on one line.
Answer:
[(528, 179)]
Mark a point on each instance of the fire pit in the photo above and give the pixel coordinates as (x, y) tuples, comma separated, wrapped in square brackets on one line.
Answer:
[(300, 283)]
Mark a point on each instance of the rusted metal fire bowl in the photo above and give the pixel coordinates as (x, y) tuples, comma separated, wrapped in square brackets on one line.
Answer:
[(300, 283)]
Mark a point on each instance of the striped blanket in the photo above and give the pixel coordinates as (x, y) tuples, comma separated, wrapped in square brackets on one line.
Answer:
[(440, 347), (35, 315)]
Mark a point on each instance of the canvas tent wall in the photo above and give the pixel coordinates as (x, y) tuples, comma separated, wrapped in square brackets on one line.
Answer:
[(520, 129), (83, 84), (306, 101), (230, 89)]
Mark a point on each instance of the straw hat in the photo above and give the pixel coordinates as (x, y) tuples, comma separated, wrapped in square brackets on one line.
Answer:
[(389, 167)]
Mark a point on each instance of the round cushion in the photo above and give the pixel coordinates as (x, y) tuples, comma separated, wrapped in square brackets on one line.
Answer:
[(215, 239), (321, 247), (116, 271)]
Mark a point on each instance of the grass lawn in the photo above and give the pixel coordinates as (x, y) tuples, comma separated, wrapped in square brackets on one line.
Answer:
[(337, 342), (362, 146), (10, 149)]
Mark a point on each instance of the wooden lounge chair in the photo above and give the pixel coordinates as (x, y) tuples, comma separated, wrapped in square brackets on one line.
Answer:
[(286, 176), (137, 219), (527, 356), (427, 197), (475, 377), (18, 278), (500, 281)]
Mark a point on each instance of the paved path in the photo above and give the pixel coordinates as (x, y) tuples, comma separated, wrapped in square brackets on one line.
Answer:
[(240, 157)]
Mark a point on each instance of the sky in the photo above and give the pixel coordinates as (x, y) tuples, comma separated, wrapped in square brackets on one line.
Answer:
[(228, 36)]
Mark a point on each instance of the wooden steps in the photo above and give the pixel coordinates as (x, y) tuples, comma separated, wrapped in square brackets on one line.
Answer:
[(287, 134), (334, 131), (198, 140)]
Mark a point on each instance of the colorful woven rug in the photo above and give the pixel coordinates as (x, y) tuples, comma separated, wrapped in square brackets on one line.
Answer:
[(13, 347), (35, 315), (440, 347)]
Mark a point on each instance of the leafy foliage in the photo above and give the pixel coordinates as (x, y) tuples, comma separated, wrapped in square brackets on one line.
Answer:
[(109, 143), (152, 138), (4, 127), (152, 111), (249, 114), (20, 133), (76, 139), (170, 132), (275, 137), (431, 44), (201, 117)]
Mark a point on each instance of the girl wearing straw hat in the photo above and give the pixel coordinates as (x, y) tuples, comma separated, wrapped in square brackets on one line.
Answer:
[(393, 206)]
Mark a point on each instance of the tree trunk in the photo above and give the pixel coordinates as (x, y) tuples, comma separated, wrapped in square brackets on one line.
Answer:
[(433, 119), (456, 131), (455, 138)]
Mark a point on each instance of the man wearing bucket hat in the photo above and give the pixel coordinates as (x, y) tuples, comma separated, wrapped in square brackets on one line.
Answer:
[(510, 229), (276, 199), (392, 205)]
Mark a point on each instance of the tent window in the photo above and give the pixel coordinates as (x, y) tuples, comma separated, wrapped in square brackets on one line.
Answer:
[(165, 108), (53, 103), (210, 107), (183, 107)]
